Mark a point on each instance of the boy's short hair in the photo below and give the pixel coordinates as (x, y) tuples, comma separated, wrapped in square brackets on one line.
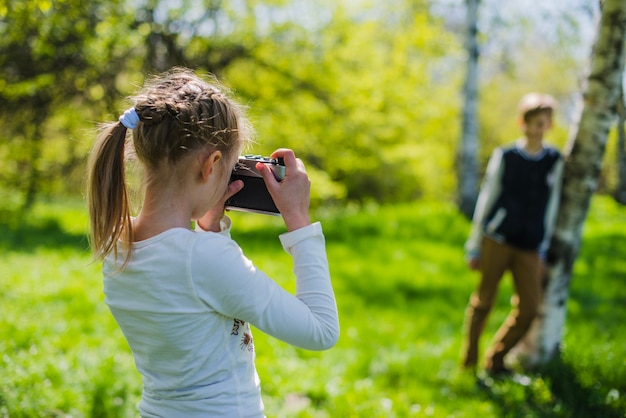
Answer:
[(534, 103)]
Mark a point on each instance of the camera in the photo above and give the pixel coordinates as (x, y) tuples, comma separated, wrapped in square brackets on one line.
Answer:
[(254, 197)]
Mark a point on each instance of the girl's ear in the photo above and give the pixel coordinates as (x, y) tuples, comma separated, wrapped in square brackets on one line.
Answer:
[(208, 164)]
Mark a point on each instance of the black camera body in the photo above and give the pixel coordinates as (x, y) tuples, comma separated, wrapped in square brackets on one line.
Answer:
[(254, 197)]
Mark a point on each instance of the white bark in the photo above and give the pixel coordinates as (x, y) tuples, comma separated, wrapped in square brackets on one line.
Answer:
[(584, 155), (620, 192), (467, 175)]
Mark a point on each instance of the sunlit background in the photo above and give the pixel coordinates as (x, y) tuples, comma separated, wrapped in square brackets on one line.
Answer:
[(370, 95)]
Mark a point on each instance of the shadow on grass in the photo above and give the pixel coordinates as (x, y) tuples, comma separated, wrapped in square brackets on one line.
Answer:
[(24, 237), (566, 397), (405, 292), (580, 400)]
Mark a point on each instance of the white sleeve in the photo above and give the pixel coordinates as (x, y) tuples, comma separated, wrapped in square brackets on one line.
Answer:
[(489, 192), (229, 283), (553, 207)]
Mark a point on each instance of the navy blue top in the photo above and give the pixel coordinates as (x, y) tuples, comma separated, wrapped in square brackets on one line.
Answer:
[(524, 194)]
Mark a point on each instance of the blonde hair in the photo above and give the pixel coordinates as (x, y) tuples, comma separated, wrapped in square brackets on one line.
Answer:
[(179, 114), (534, 103)]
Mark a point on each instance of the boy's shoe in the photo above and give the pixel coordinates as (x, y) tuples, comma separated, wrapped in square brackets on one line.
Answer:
[(499, 372), (469, 364)]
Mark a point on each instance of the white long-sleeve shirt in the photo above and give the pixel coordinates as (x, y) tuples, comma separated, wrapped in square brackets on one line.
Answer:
[(184, 303)]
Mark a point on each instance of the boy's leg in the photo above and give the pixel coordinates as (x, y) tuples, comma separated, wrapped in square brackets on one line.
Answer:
[(526, 269), (494, 260)]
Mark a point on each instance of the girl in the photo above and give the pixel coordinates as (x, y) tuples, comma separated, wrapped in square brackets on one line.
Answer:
[(184, 298)]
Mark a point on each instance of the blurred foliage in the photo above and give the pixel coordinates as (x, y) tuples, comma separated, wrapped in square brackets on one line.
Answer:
[(366, 93), (363, 102), (55, 70)]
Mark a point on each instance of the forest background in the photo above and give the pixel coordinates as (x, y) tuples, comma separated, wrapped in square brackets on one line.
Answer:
[(369, 95)]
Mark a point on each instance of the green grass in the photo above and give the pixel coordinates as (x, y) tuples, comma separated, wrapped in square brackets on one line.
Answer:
[(401, 286)]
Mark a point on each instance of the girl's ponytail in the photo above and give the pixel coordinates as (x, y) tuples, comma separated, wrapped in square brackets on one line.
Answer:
[(109, 209)]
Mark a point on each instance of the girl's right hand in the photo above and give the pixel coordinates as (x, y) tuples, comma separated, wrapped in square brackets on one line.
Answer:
[(211, 219), (292, 194)]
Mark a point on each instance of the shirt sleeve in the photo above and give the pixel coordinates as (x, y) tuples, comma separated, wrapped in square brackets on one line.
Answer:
[(489, 191), (553, 206), (229, 283)]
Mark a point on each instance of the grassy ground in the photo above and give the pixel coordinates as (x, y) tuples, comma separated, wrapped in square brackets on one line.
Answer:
[(401, 286)]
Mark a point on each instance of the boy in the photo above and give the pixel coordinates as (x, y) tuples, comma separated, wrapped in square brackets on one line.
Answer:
[(511, 230)]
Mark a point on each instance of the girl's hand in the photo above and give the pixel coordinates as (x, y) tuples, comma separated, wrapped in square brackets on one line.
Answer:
[(210, 221), (292, 194)]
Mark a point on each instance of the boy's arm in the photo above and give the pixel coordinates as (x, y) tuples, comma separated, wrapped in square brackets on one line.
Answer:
[(489, 191), (552, 208)]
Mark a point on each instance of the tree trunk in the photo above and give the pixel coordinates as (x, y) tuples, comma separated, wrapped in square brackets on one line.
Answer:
[(35, 138), (467, 175), (620, 190), (33, 176), (583, 155)]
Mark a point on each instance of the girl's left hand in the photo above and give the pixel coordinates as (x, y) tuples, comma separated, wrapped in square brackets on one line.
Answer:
[(210, 221)]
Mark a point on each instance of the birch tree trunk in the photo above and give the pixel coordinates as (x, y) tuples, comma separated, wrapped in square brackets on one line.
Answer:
[(620, 191), (584, 153), (467, 175)]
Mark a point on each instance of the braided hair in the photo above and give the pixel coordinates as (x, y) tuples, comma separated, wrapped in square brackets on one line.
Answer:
[(174, 115)]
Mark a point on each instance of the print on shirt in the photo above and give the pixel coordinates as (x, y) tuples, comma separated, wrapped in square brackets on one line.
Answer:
[(242, 328)]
